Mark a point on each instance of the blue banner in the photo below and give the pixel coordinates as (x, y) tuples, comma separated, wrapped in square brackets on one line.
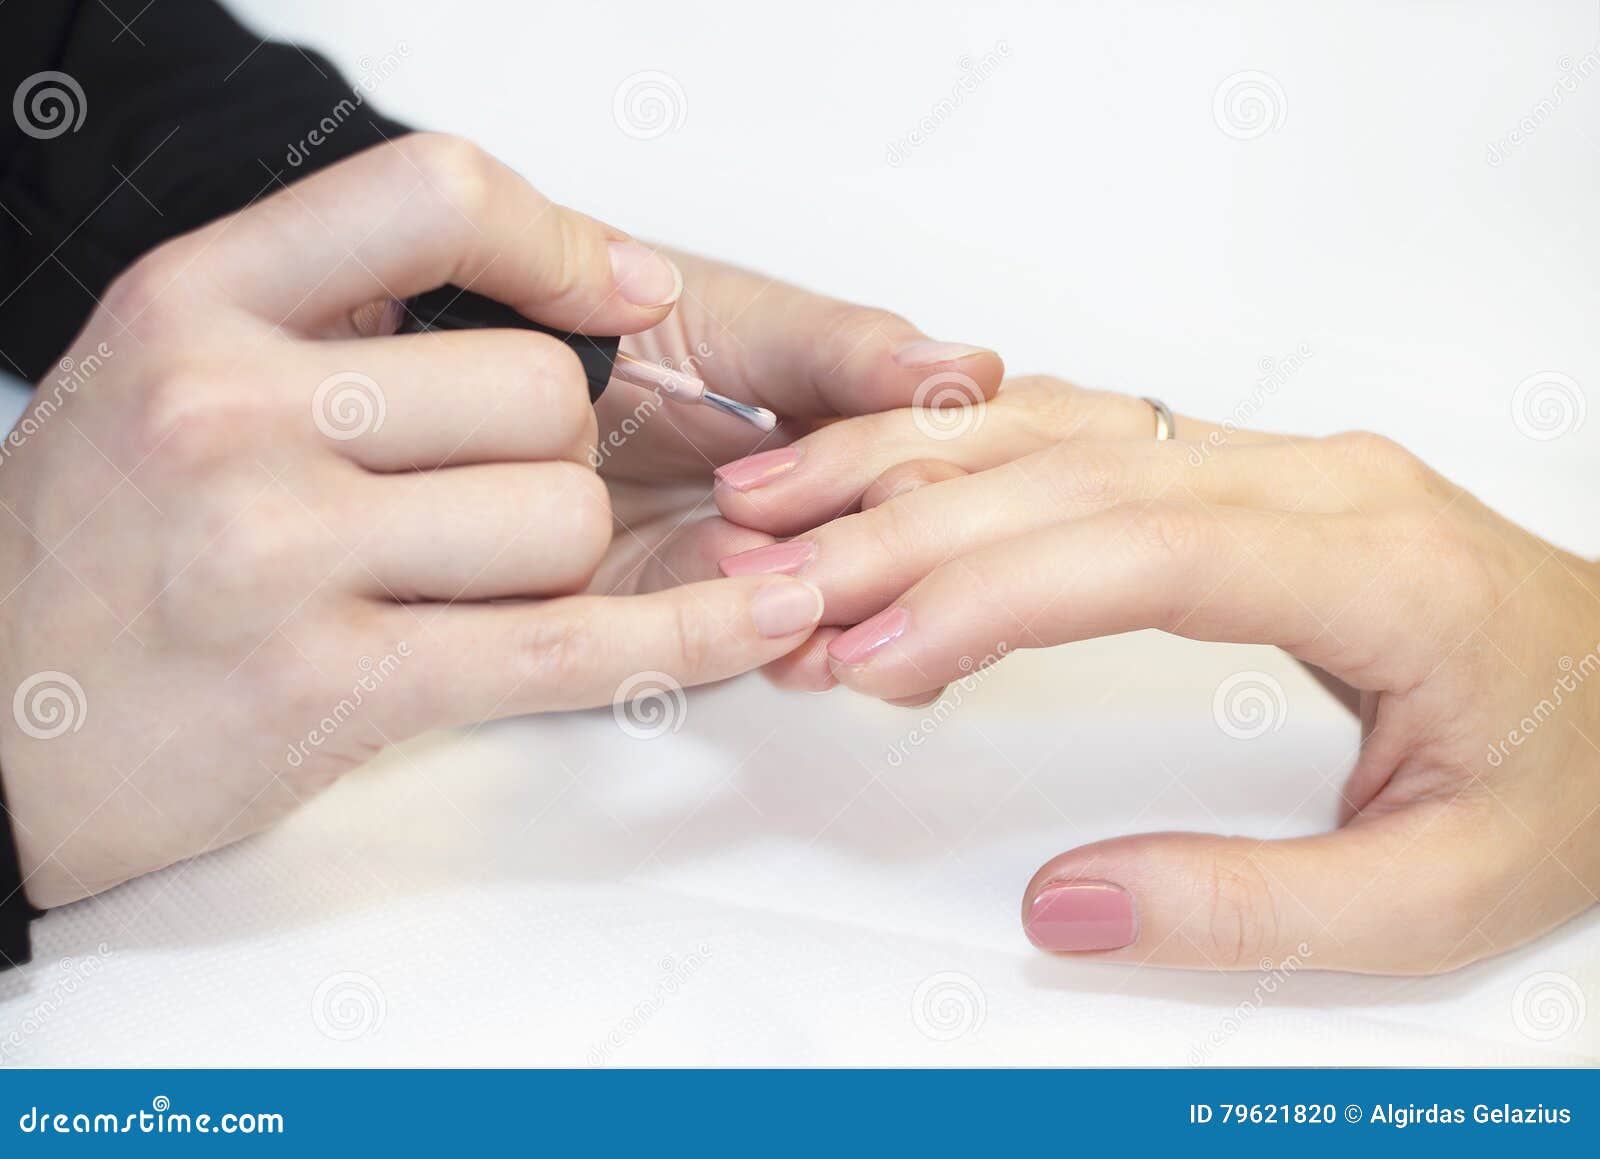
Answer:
[(989, 1113)]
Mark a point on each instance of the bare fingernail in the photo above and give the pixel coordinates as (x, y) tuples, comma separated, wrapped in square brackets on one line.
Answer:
[(927, 352), (644, 277), (859, 644), (1082, 915), (757, 470), (785, 607), (774, 559)]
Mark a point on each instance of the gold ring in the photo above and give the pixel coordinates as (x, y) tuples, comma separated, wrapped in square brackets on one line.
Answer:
[(1164, 422)]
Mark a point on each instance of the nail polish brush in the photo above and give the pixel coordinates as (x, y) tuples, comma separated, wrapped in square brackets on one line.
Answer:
[(452, 308)]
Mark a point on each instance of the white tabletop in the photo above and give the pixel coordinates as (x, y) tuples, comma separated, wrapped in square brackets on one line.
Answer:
[(764, 885)]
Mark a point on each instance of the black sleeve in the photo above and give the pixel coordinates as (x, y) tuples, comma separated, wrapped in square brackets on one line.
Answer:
[(133, 122)]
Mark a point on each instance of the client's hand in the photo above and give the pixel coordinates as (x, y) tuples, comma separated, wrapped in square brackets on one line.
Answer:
[(1472, 816)]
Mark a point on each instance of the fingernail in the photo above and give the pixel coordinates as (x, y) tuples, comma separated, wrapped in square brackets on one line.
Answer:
[(1082, 915), (858, 644), (757, 470), (926, 352), (784, 608), (774, 559), (644, 277)]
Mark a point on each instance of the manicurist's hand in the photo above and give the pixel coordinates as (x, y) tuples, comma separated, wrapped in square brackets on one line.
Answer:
[(247, 547), (1472, 814)]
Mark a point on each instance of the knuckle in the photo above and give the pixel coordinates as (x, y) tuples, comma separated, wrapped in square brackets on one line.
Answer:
[(583, 498), (455, 168), (150, 295), (186, 419), (236, 543), (1242, 922), (888, 530), (1170, 532), (1085, 477), (849, 328), (1382, 457), (566, 278), (549, 650), (693, 642)]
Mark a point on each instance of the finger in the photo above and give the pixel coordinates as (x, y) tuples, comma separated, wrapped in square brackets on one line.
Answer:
[(420, 212), (808, 356), (483, 532), (827, 473), (1306, 583), (432, 400), (684, 552), (863, 561), (805, 669), (1235, 903), (907, 477), (476, 662)]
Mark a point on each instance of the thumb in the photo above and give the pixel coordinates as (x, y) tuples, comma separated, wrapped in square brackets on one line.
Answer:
[(1341, 901)]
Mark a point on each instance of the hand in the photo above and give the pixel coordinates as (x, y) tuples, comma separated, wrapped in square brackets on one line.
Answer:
[(247, 548), (809, 358), (1472, 815)]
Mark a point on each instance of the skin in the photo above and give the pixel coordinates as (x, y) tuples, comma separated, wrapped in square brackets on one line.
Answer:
[(1060, 518), (217, 599)]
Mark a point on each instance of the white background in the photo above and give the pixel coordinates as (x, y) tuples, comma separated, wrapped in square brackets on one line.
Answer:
[(515, 895)]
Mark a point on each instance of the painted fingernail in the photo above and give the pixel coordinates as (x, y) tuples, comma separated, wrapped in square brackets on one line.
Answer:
[(757, 470), (926, 352), (1082, 915), (858, 644), (784, 608), (774, 559), (644, 277)]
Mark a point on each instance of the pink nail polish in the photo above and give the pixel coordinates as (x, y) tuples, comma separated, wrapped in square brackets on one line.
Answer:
[(1082, 915), (858, 644), (930, 353), (774, 559), (757, 470)]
